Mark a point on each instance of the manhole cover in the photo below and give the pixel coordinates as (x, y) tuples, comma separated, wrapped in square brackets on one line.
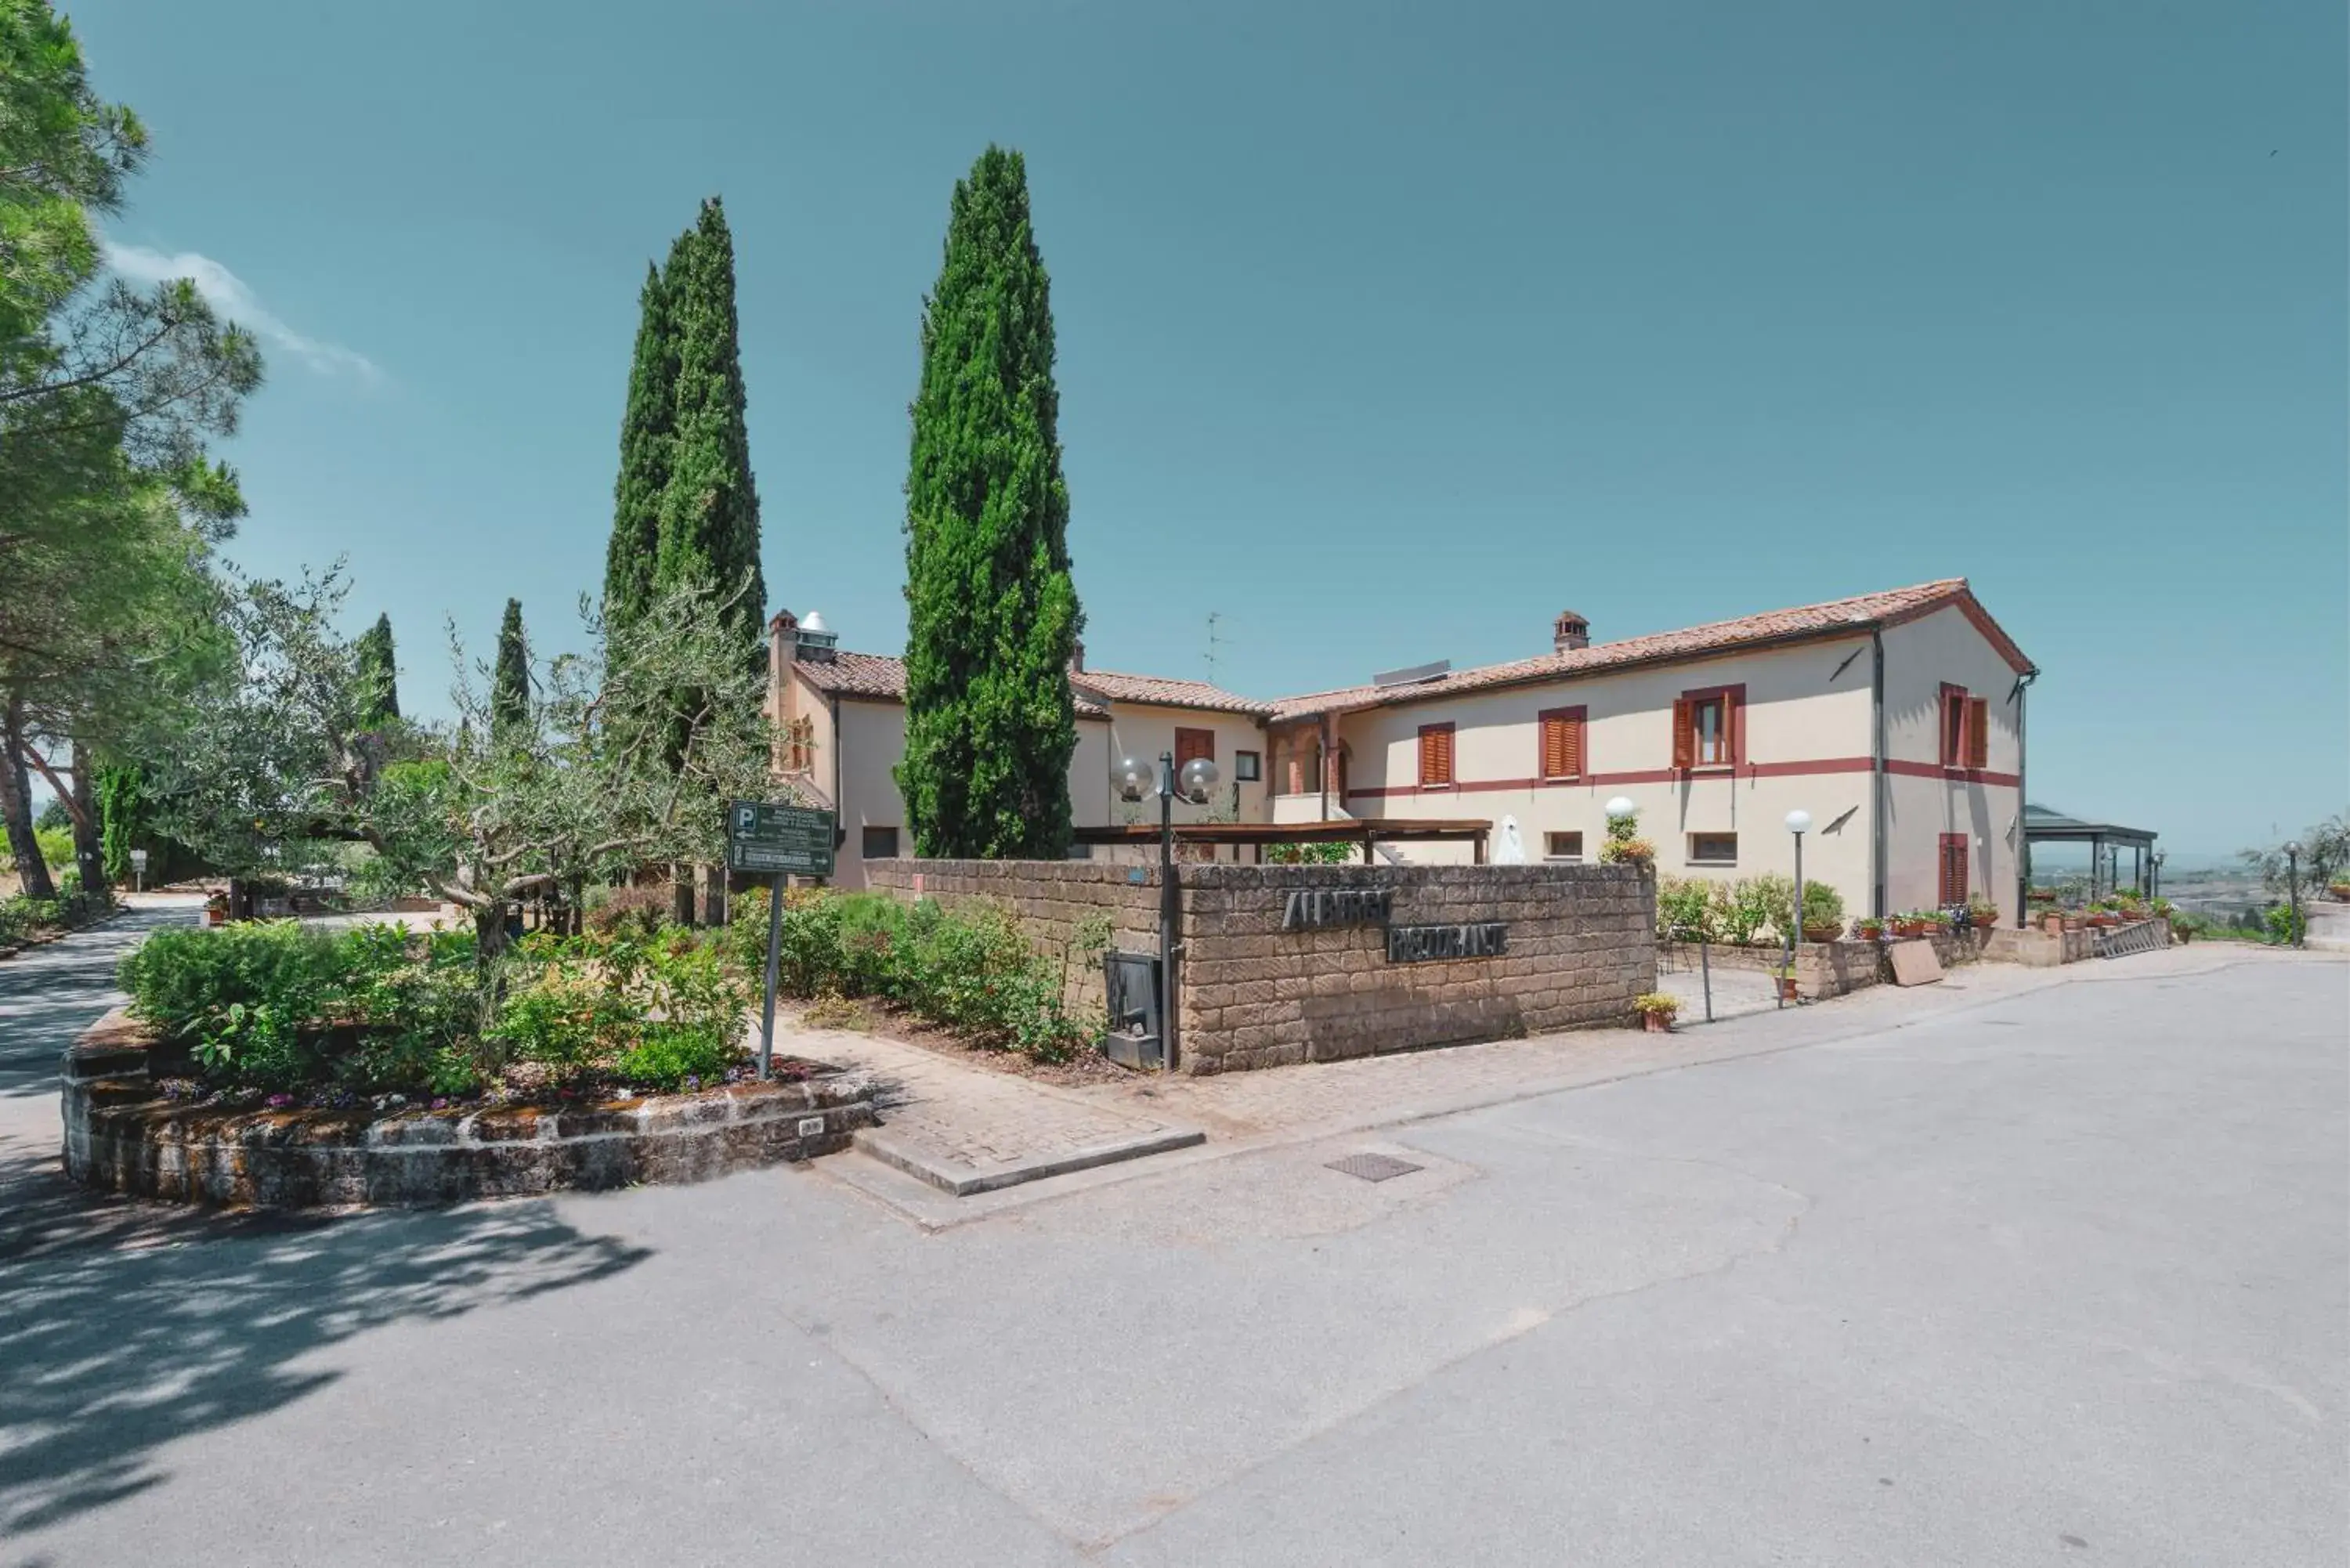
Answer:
[(1374, 1167)]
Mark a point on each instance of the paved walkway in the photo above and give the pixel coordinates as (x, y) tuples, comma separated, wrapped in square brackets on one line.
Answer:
[(966, 1131)]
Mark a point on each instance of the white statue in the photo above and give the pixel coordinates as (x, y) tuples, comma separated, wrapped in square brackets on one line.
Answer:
[(1509, 848)]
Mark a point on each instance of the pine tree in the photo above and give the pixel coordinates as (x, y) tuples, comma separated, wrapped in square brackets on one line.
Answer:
[(510, 692), (645, 433), (379, 672), (710, 505), (992, 613)]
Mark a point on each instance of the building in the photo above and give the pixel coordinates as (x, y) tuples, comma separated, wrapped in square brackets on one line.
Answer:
[(842, 719), (1894, 719)]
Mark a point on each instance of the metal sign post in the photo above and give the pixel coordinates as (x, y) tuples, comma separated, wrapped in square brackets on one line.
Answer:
[(139, 870), (781, 841)]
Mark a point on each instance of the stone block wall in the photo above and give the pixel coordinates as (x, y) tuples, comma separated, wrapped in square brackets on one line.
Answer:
[(1576, 951), (1051, 898)]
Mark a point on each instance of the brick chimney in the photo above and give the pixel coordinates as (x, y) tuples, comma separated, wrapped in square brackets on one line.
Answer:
[(783, 648), (1569, 632), (1077, 658)]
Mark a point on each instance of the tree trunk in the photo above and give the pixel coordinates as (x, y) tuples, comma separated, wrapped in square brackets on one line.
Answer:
[(89, 849), (682, 899), (16, 807)]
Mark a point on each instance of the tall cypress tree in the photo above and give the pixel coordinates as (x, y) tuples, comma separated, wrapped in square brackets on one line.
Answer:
[(992, 613), (510, 689), (646, 426), (379, 672), (710, 506)]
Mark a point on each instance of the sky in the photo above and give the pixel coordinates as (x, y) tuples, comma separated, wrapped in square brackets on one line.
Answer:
[(1386, 332)]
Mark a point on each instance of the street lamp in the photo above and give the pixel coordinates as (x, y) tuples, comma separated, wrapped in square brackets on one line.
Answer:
[(1621, 807), (1799, 823), (1194, 782), (2293, 887)]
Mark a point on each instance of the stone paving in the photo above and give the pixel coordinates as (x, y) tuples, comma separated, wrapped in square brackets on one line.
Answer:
[(967, 1129)]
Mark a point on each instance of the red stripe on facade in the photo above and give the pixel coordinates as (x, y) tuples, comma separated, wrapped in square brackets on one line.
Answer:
[(1822, 765), (1954, 775)]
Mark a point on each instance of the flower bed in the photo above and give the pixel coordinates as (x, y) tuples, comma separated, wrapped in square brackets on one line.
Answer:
[(124, 1133)]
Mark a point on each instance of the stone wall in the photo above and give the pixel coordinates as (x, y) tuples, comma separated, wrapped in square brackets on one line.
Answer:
[(122, 1135), (1576, 950), (1051, 898)]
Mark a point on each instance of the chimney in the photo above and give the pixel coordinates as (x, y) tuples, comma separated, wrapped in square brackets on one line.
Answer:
[(1569, 632), (1077, 658), (782, 647)]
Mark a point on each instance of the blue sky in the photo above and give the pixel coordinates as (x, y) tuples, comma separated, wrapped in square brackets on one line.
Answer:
[(1386, 331)]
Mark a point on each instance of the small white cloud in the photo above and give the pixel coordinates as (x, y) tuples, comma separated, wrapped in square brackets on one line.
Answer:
[(228, 294)]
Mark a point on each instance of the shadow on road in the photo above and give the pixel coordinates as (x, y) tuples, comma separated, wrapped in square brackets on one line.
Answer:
[(125, 1325)]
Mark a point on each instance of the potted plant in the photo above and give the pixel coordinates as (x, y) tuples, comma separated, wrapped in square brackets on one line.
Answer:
[(2053, 922), (1868, 928), (1823, 912), (1981, 914), (1784, 973), (215, 908), (2075, 919), (2340, 891), (1907, 926), (1656, 1009)]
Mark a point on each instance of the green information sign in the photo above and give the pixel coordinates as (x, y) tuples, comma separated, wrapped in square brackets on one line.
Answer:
[(766, 840)]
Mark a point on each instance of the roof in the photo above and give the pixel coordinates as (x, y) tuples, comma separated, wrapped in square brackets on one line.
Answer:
[(1863, 612), (882, 679), (2040, 822), (1165, 691)]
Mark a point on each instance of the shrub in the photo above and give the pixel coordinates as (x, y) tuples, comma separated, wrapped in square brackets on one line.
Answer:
[(643, 910), (1741, 908), (1309, 854), (2284, 924), (670, 1054), (1662, 1002), (1686, 909), (56, 844)]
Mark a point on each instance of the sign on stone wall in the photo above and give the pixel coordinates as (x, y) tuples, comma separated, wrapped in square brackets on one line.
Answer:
[(1422, 944), (1313, 908)]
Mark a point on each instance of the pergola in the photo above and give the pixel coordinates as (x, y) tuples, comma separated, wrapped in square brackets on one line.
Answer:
[(1345, 830), (2104, 839)]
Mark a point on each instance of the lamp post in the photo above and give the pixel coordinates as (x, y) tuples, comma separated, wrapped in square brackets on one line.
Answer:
[(1799, 822), (2154, 877), (2292, 888), (1195, 782)]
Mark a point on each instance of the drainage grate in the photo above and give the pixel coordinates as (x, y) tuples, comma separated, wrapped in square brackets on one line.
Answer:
[(1374, 1167)]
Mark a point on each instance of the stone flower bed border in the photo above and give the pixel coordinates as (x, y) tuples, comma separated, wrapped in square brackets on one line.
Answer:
[(122, 1135)]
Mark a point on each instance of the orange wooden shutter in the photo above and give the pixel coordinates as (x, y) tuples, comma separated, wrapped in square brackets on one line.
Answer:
[(1977, 731), (1574, 746), (1729, 723), (1190, 743), (1953, 715), (1684, 734), (1435, 755), (1554, 746)]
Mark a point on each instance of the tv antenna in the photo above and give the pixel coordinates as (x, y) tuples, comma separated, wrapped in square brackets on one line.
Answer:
[(1213, 642)]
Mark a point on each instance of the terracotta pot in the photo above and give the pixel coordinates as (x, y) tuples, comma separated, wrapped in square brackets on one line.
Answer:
[(2074, 922), (1656, 1022), (2052, 923), (1787, 990), (1822, 931)]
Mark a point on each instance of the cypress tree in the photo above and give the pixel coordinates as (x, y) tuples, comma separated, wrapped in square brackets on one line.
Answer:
[(645, 430), (379, 672), (992, 613), (709, 524), (509, 690)]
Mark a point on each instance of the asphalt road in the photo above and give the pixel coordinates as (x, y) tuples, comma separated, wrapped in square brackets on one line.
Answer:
[(2061, 1277)]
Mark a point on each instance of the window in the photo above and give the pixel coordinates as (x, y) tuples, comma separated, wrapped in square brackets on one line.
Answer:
[(1953, 879), (1562, 743), (881, 844), (1966, 729), (1562, 847), (1436, 756), (1190, 743), (1247, 767), (1714, 849), (1708, 728)]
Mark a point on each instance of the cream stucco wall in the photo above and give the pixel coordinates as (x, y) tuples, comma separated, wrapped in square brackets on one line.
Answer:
[(1923, 805), (1146, 732), (872, 740), (1800, 710)]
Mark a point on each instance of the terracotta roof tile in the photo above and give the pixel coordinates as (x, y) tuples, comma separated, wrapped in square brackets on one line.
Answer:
[(1859, 613), (881, 677), (1165, 691)]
